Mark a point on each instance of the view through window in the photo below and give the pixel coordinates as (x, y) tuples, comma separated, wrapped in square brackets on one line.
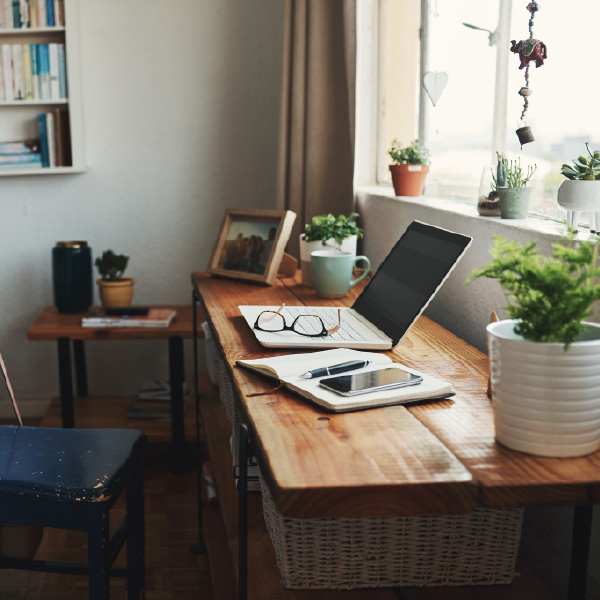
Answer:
[(561, 110)]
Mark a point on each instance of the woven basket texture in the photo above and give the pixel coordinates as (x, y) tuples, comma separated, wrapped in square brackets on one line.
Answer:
[(226, 395), (475, 549)]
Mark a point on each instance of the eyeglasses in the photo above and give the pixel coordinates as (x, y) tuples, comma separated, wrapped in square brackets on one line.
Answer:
[(309, 325)]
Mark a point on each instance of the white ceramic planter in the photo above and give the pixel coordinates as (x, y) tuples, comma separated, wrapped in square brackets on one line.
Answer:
[(577, 196), (546, 401), (348, 245)]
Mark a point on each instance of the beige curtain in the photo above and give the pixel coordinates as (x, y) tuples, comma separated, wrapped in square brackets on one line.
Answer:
[(316, 137)]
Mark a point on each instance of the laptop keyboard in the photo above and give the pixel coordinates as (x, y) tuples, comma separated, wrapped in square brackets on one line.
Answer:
[(350, 329)]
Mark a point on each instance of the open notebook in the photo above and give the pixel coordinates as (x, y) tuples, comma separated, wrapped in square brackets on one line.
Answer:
[(393, 300), (287, 370)]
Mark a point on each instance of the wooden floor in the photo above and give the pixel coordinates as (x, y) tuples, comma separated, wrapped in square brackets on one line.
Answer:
[(173, 572)]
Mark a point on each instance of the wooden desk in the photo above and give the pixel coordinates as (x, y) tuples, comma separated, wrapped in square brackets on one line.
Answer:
[(66, 328), (436, 458)]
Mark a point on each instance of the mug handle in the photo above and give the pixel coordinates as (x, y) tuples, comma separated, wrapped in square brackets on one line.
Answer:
[(366, 272)]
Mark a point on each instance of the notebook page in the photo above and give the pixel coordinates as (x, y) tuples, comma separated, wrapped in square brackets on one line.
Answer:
[(291, 366)]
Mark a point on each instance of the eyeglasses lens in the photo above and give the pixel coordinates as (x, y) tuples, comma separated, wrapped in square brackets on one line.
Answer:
[(271, 321), (308, 325)]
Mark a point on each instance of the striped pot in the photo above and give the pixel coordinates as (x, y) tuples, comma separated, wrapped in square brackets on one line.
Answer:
[(546, 401)]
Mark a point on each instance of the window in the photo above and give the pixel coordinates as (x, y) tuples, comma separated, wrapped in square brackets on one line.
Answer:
[(479, 110)]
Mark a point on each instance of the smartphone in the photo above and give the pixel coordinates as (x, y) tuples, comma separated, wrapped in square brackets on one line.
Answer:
[(372, 381)]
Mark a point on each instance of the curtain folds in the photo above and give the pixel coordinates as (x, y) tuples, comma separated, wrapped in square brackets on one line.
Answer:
[(316, 133)]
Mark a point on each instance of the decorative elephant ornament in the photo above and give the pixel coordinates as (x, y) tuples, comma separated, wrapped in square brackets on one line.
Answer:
[(528, 50)]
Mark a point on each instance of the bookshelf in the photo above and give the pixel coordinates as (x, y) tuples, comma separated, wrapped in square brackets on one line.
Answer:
[(18, 118)]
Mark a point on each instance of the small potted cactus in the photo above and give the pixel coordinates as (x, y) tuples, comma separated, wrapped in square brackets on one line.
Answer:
[(115, 290), (511, 184)]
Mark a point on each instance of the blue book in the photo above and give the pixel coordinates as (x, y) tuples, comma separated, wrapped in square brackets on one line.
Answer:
[(44, 71), (21, 160), (50, 20), (16, 14), (62, 71), (35, 73), (43, 134)]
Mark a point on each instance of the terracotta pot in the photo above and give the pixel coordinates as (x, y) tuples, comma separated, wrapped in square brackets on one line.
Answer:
[(116, 293), (409, 180)]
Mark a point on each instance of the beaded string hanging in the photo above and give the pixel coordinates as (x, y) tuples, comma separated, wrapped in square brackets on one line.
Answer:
[(528, 50)]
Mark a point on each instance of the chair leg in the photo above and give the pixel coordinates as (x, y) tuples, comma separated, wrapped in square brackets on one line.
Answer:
[(135, 539), (99, 572)]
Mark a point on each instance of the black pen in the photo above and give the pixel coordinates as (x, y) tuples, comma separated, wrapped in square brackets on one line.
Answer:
[(335, 369)]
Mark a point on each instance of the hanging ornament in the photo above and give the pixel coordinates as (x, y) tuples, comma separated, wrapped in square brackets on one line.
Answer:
[(434, 83), (528, 50)]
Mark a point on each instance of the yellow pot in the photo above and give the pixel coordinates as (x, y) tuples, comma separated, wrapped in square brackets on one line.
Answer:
[(116, 293)]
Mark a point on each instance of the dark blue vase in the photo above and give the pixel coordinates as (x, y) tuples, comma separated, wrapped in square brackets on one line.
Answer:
[(72, 276)]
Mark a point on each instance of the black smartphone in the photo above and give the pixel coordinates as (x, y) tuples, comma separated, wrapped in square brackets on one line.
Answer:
[(371, 381)]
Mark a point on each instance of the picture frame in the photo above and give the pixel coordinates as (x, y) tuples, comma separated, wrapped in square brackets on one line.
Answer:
[(251, 244)]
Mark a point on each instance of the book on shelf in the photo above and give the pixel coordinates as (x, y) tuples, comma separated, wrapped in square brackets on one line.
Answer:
[(43, 135), (158, 390), (156, 317), (51, 134), (288, 368), (63, 138), (31, 14), (7, 72)]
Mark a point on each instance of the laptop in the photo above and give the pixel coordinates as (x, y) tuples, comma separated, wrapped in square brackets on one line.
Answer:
[(392, 301)]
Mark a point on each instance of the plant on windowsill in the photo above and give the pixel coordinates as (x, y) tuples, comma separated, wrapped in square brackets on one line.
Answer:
[(115, 290), (544, 359), (581, 190), (341, 233), (511, 184), (410, 168)]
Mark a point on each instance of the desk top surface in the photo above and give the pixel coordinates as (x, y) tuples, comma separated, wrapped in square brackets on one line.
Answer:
[(51, 325), (432, 458)]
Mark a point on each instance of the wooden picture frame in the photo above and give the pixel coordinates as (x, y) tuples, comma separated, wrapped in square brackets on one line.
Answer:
[(251, 243)]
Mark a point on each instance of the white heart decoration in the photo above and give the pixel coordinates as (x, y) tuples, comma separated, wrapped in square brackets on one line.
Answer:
[(434, 83)]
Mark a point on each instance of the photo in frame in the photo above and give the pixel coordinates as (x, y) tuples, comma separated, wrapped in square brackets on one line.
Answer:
[(251, 243)]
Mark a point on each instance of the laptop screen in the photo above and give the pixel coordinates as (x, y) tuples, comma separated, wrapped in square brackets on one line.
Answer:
[(409, 277)]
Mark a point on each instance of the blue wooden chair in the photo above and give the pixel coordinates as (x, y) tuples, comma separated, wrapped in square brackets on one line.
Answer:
[(70, 479)]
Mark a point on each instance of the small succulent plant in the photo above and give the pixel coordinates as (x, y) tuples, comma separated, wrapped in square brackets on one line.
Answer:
[(587, 169), (111, 266), (510, 173)]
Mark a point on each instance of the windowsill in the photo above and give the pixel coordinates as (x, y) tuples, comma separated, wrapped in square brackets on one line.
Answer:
[(534, 224)]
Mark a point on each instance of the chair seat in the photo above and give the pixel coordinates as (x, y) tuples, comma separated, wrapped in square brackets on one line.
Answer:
[(83, 465)]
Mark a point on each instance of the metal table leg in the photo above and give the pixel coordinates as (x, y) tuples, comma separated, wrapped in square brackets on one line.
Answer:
[(176, 378), (80, 368), (65, 378), (580, 552), (243, 453), (199, 546)]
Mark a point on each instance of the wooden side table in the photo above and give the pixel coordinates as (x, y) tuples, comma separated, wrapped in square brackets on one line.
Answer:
[(66, 328)]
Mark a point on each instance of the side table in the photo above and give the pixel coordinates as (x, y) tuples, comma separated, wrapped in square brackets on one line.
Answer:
[(51, 325)]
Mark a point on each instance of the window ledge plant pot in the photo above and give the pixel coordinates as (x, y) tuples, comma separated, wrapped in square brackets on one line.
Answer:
[(409, 180), (514, 202), (546, 400)]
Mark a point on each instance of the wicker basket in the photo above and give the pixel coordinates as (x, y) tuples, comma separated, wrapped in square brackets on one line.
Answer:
[(226, 395), (475, 549)]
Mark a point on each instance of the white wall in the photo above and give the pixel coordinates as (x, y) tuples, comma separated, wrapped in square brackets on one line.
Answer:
[(180, 103)]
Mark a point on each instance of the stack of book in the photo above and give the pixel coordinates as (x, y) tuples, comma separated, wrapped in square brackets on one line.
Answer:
[(153, 401), (17, 155), (33, 72), (31, 14)]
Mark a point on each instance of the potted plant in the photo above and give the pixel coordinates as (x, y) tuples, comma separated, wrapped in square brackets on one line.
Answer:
[(511, 184), (341, 232), (410, 168), (544, 359), (581, 190), (115, 290)]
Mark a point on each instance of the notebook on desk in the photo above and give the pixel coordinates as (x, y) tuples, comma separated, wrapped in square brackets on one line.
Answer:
[(392, 301)]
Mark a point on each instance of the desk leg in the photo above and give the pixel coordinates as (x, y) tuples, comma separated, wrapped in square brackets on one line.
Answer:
[(65, 378), (176, 381), (199, 546), (243, 513), (80, 368), (580, 551)]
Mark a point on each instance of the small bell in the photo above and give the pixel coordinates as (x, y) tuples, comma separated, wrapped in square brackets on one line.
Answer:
[(525, 135)]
